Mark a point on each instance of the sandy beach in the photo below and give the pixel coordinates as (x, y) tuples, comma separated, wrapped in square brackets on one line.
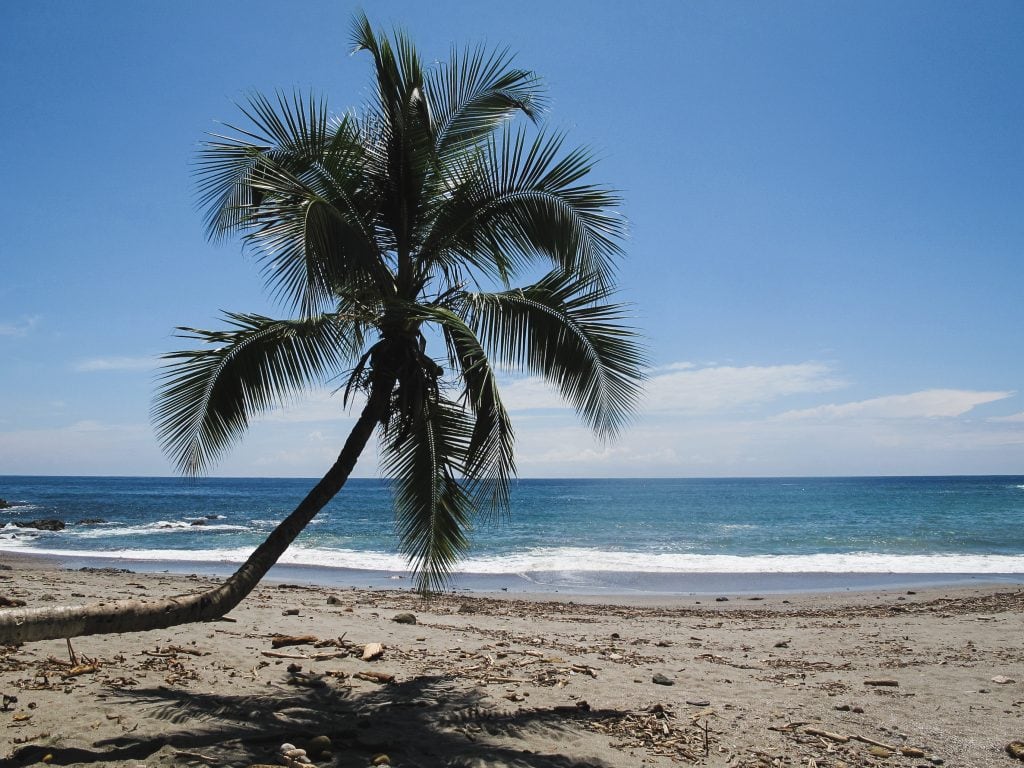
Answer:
[(895, 678)]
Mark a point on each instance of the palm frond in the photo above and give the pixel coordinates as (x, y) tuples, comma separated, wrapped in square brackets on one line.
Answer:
[(475, 92), (402, 120), (208, 396), (490, 461), (561, 328), (433, 511), (294, 186), (519, 200)]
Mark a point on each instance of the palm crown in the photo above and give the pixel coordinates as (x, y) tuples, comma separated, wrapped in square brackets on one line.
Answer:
[(381, 230)]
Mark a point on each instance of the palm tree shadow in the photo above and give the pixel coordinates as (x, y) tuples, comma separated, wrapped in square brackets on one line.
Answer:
[(425, 722)]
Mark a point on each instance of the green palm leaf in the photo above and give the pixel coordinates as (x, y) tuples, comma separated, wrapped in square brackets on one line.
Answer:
[(520, 200), (490, 462), (433, 511), (561, 328), (208, 396), (294, 187), (476, 92)]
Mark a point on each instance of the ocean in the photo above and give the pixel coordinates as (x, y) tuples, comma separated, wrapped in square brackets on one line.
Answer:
[(662, 536)]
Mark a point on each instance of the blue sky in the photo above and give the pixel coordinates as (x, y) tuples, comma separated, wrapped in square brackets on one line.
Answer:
[(826, 206)]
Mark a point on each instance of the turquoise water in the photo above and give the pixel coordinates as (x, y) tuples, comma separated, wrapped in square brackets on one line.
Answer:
[(570, 532)]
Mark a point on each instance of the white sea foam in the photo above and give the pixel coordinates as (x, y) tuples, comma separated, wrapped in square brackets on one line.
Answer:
[(159, 527), (572, 559)]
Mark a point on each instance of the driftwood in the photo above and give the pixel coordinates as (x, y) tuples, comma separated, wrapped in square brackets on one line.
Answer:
[(284, 640)]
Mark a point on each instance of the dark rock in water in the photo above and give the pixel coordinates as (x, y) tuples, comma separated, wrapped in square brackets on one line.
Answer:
[(92, 521), (404, 618), (198, 522), (661, 679), (4, 503), (42, 525)]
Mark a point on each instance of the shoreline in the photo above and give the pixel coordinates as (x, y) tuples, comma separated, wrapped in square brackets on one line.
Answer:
[(617, 586)]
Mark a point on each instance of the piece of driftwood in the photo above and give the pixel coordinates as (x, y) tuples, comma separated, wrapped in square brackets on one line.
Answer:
[(285, 640)]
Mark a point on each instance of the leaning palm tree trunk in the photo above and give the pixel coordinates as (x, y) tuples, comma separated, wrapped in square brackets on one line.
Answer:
[(30, 624)]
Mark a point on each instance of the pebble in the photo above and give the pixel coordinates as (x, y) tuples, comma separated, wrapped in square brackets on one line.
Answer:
[(698, 702), (372, 651), (1003, 680), (333, 600), (405, 618), (661, 679), (318, 745), (382, 760), (1015, 749), (290, 612)]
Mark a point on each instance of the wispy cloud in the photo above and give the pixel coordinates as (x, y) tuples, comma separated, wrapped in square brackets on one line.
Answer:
[(689, 389), (21, 328), (94, 364), (715, 389), (928, 404), (1015, 418)]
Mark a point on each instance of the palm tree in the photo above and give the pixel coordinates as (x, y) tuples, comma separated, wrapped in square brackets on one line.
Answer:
[(373, 228)]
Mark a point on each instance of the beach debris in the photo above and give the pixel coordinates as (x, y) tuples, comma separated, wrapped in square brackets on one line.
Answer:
[(883, 683), (1003, 680), (81, 669), (10, 602), (372, 651), (283, 655), (404, 618), (661, 679), (281, 641), (698, 702), (1015, 749), (7, 701), (381, 678)]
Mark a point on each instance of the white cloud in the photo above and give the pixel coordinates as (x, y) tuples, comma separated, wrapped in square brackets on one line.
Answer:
[(715, 389), (94, 364), (686, 388), (927, 404), (1015, 418), (18, 329)]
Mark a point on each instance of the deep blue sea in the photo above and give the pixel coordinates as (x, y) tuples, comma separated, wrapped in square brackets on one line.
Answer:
[(666, 535)]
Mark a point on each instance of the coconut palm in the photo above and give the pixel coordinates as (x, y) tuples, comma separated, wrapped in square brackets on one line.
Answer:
[(382, 231)]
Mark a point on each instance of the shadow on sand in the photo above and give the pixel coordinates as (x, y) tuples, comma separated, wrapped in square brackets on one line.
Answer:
[(425, 722)]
